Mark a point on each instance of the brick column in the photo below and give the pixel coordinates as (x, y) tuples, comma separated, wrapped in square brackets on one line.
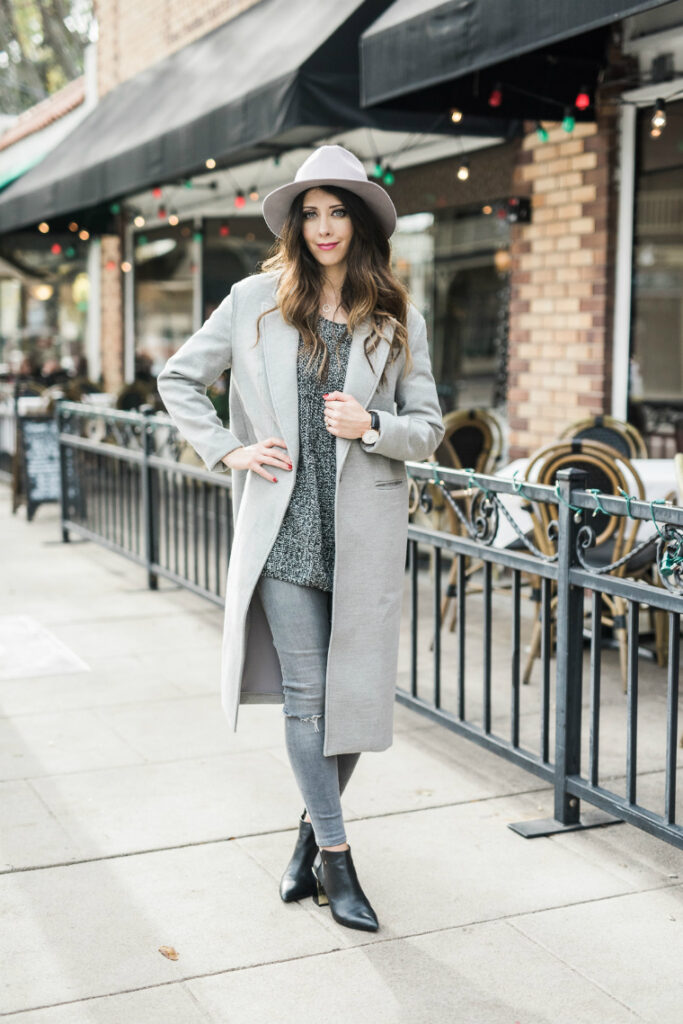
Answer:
[(561, 284), (111, 331)]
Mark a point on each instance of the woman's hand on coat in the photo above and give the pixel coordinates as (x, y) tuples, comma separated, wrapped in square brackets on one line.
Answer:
[(345, 416), (254, 456)]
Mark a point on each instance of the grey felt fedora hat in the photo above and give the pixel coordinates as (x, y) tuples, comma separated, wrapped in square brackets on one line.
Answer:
[(329, 165)]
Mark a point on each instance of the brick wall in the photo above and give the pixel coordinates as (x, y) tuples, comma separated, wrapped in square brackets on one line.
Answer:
[(111, 331), (561, 283), (133, 34)]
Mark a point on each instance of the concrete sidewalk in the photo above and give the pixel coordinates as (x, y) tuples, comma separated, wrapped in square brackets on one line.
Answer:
[(132, 818)]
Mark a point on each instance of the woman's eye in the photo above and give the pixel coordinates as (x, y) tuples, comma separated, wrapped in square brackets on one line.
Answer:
[(308, 214), (341, 212)]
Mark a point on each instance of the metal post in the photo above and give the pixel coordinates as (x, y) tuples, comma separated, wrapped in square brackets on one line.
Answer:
[(63, 474), (150, 510), (569, 652), (569, 631)]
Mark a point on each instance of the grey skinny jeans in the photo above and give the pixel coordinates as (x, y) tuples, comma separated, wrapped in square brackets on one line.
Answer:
[(299, 618)]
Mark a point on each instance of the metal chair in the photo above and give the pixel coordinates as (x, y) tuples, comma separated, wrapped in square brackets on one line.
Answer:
[(618, 434), (615, 536)]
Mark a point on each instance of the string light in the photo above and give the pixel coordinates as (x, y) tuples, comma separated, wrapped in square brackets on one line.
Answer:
[(456, 115), (541, 132), (240, 201), (496, 96), (210, 163), (253, 193), (126, 267), (583, 100), (388, 177), (55, 248), (487, 209), (156, 192), (73, 226), (224, 230), (139, 220), (83, 235), (464, 170), (173, 218), (377, 170), (568, 121), (115, 208), (161, 212), (659, 115), (43, 227)]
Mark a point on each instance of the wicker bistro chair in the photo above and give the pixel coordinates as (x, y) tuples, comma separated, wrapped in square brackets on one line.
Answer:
[(615, 536), (473, 440), (618, 434)]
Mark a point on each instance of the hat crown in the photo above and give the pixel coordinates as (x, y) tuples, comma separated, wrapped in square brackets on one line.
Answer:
[(331, 162)]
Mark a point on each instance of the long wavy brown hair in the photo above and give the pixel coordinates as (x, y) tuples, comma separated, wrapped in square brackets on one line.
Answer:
[(370, 290)]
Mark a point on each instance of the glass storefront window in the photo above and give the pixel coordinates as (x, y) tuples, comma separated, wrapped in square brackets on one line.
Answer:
[(43, 311), (164, 269), (454, 264), (657, 324)]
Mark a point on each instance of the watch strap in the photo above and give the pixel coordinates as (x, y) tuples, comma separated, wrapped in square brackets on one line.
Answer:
[(374, 419)]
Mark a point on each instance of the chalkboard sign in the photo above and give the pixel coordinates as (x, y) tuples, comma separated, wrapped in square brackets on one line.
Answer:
[(40, 450)]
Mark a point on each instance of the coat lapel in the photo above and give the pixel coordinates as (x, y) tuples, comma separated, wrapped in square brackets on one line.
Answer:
[(280, 347)]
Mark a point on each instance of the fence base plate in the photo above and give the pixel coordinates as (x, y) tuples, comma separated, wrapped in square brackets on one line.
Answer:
[(550, 826)]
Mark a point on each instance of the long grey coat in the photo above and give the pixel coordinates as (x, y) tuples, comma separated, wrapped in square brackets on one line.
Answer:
[(371, 506)]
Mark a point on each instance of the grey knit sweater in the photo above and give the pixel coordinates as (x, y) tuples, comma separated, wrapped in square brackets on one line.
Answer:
[(303, 551)]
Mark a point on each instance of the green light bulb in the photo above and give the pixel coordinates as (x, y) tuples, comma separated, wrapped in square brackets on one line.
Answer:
[(389, 178), (568, 123), (542, 133)]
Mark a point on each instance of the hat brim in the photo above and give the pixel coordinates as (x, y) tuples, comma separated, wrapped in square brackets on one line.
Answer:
[(277, 203)]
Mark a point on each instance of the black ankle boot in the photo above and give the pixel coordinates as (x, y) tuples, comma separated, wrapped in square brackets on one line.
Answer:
[(338, 885), (298, 880)]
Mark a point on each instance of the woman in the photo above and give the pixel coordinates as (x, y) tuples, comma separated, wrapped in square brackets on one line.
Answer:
[(319, 489)]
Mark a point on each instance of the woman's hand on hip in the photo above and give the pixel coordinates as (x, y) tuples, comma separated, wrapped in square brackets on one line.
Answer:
[(345, 416), (254, 456)]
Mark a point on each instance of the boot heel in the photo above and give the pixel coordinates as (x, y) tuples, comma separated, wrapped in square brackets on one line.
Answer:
[(320, 896)]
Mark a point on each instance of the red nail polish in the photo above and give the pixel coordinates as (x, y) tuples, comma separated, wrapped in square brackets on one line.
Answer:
[(274, 479)]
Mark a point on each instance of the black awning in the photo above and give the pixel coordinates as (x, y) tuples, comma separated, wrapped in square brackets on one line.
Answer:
[(280, 75), (422, 53)]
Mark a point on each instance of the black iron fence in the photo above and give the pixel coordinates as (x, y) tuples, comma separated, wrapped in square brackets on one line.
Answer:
[(125, 486)]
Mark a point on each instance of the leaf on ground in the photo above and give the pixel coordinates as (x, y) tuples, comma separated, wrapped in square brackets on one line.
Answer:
[(168, 951)]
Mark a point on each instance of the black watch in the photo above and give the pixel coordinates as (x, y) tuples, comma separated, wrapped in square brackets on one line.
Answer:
[(372, 433)]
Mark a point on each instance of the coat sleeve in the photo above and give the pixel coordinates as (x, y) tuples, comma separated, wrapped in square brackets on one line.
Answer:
[(415, 431), (184, 380)]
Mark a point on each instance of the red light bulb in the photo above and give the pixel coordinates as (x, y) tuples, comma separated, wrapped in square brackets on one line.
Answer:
[(224, 230), (582, 101), (55, 248), (496, 96), (240, 201), (156, 192)]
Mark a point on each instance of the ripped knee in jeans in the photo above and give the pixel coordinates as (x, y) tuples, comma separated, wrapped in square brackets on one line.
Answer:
[(304, 718)]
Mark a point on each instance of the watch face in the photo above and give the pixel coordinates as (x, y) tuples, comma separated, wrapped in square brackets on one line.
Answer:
[(370, 436)]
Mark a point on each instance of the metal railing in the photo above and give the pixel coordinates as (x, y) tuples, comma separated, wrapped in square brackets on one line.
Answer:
[(123, 486), (127, 490)]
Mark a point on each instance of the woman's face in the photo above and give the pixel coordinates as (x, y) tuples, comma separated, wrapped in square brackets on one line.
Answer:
[(327, 227)]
